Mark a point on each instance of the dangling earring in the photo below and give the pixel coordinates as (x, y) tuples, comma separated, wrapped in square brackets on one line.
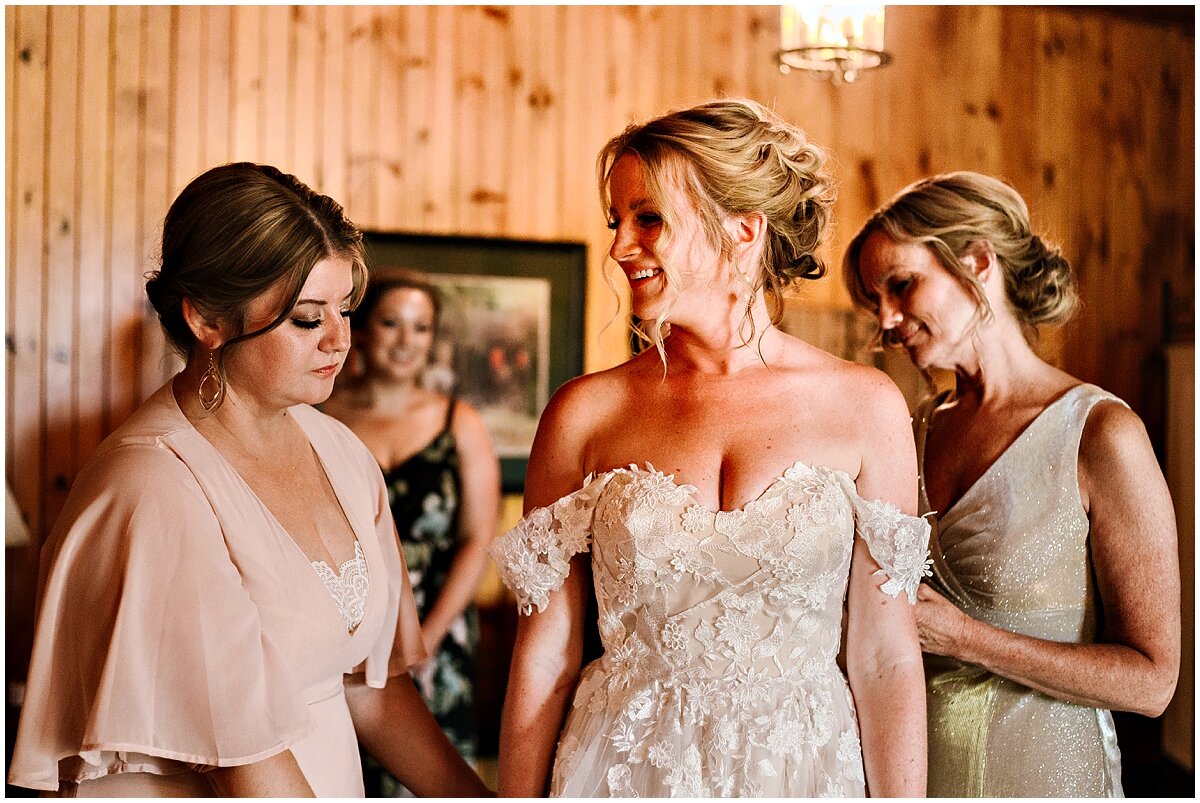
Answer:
[(213, 377)]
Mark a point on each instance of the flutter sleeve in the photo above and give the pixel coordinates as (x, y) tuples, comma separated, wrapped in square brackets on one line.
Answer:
[(899, 543), (149, 652), (534, 558)]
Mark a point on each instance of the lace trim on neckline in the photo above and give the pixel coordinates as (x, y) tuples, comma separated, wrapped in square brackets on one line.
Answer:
[(349, 588), (691, 491)]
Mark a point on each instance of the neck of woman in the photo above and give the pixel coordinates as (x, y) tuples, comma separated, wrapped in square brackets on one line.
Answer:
[(726, 342), (1002, 365), (388, 394), (237, 424)]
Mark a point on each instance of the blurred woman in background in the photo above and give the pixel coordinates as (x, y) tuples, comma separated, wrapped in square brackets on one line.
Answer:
[(1056, 577), (443, 484)]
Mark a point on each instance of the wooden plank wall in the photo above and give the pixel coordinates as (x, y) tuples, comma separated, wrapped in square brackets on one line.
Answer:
[(486, 121)]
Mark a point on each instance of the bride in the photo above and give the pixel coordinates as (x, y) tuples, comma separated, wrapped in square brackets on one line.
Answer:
[(718, 482)]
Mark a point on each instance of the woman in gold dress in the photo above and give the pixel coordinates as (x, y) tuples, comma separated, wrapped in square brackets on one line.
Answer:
[(1056, 581)]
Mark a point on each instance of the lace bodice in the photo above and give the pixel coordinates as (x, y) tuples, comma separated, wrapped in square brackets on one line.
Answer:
[(350, 588), (725, 624)]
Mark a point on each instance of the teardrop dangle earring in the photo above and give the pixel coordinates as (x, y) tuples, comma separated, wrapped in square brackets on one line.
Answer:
[(211, 377)]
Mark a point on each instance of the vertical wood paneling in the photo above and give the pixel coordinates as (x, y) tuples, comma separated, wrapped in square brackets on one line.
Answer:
[(10, 199), (185, 155), (415, 115), (471, 200), (154, 113), (28, 269), (91, 338), (246, 84), (275, 52), (126, 261), (332, 127), (216, 68), (487, 121), (58, 316), (496, 200), (525, 156), (304, 113), (361, 93), (10, 96), (444, 125), (388, 37)]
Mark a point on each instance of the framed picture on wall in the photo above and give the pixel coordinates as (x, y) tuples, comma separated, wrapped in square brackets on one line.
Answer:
[(511, 327)]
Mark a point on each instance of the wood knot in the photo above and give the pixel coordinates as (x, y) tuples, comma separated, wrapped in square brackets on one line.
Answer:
[(1049, 174), (540, 98), (482, 195)]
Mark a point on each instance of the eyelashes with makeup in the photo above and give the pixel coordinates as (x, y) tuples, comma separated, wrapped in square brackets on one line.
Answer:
[(645, 219), (313, 323)]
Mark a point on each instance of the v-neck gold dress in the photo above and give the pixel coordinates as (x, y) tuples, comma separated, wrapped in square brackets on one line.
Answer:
[(1014, 552)]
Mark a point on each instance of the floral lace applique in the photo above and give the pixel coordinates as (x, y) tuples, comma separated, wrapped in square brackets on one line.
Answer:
[(534, 557), (900, 545), (721, 631), (349, 589)]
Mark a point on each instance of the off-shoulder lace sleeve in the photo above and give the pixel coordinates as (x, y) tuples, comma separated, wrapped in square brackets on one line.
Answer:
[(534, 558), (899, 543)]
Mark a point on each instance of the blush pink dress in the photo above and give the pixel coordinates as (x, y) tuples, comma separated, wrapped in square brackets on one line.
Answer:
[(180, 628)]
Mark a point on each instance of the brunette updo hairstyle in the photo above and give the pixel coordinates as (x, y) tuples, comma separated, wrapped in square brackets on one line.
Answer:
[(734, 156), (237, 231), (947, 213), (385, 279)]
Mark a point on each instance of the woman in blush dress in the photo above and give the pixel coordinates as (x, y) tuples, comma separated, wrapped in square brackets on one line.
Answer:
[(223, 605), (1056, 581), (443, 481), (723, 503)]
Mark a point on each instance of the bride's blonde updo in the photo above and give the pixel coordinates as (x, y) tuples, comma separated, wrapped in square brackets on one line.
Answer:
[(734, 156), (947, 213)]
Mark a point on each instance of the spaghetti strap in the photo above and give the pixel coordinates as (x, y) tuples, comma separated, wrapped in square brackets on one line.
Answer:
[(450, 413)]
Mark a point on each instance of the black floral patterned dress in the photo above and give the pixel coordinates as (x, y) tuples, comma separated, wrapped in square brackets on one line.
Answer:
[(423, 492)]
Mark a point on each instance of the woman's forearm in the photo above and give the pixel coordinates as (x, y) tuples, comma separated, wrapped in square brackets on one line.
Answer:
[(276, 776), (462, 582), (534, 709), (890, 701), (395, 727), (1112, 676)]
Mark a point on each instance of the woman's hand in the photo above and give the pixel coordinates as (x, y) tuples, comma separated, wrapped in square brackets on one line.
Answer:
[(940, 624)]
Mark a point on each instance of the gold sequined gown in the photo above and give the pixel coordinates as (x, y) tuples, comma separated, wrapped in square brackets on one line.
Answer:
[(1013, 551)]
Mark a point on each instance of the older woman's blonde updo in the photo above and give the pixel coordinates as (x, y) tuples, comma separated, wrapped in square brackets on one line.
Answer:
[(947, 213), (735, 156)]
